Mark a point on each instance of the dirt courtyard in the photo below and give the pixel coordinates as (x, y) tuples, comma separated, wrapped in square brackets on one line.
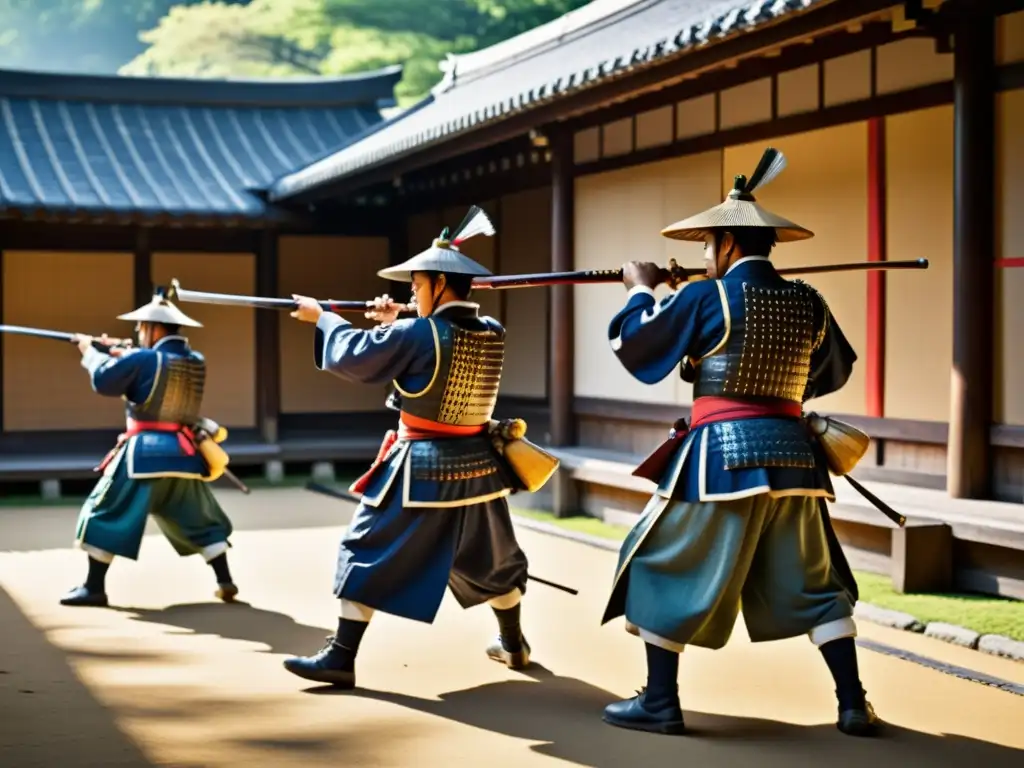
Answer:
[(169, 676)]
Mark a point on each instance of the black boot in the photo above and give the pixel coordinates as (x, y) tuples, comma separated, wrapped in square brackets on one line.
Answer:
[(93, 593), (511, 648), (656, 707), (226, 589), (335, 663), (856, 715)]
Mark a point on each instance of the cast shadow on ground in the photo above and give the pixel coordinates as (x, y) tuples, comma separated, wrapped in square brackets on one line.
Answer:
[(47, 715), (236, 621), (564, 714)]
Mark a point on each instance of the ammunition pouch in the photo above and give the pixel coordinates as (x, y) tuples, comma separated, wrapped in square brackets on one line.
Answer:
[(530, 463), (843, 444), (218, 433), (208, 437)]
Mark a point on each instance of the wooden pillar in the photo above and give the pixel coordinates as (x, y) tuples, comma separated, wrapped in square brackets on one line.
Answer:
[(2, 319), (561, 348), (268, 341), (875, 357), (398, 239), (969, 455), (561, 342), (499, 267), (143, 268)]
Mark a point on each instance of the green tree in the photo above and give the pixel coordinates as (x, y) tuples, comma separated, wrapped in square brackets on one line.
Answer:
[(77, 35), (485, 21), (265, 38), (280, 38), (261, 38)]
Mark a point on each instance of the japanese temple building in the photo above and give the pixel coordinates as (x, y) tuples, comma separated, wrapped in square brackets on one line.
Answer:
[(904, 128)]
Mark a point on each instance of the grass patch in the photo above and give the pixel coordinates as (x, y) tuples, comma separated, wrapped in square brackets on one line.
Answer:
[(582, 524), (35, 500), (259, 482), (981, 613)]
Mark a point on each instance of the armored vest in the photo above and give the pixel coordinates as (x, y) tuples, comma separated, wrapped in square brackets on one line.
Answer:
[(768, 351), (177, 393), (464, 388)]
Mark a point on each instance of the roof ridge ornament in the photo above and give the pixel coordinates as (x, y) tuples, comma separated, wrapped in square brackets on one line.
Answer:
[(449, 65)]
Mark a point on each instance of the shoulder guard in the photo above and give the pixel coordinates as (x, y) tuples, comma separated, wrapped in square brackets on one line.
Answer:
[(821, 323)]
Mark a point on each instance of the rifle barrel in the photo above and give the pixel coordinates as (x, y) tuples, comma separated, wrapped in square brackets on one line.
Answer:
[(264, 302), (45, 333), (590, 276), (671, 274)]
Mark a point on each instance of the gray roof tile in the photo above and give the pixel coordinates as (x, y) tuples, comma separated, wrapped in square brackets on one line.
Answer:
[(144, 147), (559, 59)]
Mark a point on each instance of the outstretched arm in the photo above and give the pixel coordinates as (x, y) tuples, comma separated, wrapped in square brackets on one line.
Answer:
[(651, 338), (374, 356), (111, 375)]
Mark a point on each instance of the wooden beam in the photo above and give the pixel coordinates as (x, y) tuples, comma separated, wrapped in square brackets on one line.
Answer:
[(969, 455), (268, 341), (896, 430), (143, 267), (2, 319), (875, 352), (921, 97), (499, 267), (37, 236), (797, 55), (398, 238), (561, 363)]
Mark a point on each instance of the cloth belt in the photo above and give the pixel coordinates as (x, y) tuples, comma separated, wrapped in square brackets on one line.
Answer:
[(711, 410), (132, 428), (412, 428)]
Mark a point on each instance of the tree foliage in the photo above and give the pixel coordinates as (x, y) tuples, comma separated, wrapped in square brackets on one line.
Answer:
[(261, 38), (78, 35)]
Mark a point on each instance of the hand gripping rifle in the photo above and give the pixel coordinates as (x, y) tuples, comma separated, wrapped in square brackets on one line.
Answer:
[(673, 275)]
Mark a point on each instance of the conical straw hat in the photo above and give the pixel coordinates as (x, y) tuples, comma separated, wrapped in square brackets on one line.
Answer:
[(444, 255), (740, 209), (160, 310)]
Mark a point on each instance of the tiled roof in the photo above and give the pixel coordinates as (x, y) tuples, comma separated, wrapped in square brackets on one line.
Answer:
[(170, 148), (602, 40)]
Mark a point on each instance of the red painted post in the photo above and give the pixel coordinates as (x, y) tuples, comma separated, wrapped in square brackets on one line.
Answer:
[(875, 352)]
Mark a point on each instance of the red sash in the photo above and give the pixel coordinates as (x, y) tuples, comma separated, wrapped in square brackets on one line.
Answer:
[(710, 410), (185, 437), (412, 428)]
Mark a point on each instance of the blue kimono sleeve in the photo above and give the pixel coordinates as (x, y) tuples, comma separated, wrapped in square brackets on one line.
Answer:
[(374, 356), (833, 358), (651, 338), (113, 376)]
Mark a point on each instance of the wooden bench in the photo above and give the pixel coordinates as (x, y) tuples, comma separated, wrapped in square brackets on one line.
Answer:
[(31, 458), (923, 556)]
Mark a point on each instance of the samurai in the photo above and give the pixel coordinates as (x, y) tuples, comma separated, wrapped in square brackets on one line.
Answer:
[(739, 519), (433, 511), (163, 461)]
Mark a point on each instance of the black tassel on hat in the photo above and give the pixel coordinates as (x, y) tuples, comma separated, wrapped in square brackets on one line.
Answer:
[(772, 163)]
